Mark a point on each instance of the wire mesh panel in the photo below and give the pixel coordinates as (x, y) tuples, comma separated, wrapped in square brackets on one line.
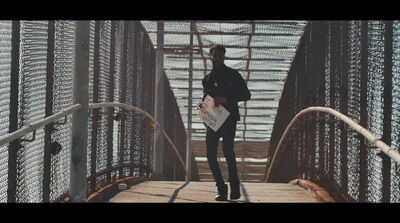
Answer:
[(32, 98), (352, 67), (62, 98), (36, 81), (5, 78), (354, 104), (124, 46), (395, 125)]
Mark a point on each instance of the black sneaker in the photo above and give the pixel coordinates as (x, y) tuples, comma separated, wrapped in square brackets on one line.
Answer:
[(222, 193)]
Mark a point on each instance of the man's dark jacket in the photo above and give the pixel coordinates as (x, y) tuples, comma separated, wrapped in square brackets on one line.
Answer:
[(226, 82)]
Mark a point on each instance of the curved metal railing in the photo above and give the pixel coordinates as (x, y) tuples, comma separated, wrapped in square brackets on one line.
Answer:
[(42, 122), (136, 109), (17, 135), (393, 154)]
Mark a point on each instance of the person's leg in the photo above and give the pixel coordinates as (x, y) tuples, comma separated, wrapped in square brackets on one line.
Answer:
[(230, 157), (212, 141), (229, 153)]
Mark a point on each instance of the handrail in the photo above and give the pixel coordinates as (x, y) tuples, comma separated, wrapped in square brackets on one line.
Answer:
[(63, 112), (37, 124), (136, 109), (367, 134)]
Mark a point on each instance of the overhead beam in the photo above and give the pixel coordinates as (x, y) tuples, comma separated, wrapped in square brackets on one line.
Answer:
[(253, 108), (261, 22), (219, 33), (199, 79), (254, 90), (201, 45), (253, 99), (232, 58), (243, 70)]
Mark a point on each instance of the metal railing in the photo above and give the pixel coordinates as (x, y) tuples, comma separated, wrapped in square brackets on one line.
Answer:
[(156, 125), (17, 135), (291, 128), (37, 124)]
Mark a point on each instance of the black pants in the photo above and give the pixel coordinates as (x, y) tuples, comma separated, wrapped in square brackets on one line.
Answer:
[(227, 132)]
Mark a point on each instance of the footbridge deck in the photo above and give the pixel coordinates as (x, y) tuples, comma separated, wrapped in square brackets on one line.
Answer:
[(204, 192)]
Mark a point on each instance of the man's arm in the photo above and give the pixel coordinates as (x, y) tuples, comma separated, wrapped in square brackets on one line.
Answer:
[(242, 93), (200, 103)]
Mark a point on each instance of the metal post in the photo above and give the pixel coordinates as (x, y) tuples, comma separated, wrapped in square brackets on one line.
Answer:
[(110, 119), (159, 105), (13, 116), (49, 111), (95, 99), (344, 105), (78, 169), (333, 26), (387, 112), (190, 101), (362, 186)]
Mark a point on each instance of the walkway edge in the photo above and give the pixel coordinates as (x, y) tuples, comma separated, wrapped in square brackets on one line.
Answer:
[(99, 195), (319, 192)]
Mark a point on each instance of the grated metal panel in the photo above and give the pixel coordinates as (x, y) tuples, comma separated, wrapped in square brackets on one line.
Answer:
[(62, 98), (352, 67), (121, 69), (5, 74)]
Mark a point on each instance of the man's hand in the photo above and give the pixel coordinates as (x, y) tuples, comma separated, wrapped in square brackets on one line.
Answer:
[(199, 105), (219, 100)]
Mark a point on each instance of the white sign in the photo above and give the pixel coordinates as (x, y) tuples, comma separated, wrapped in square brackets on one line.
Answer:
[(213, 116)]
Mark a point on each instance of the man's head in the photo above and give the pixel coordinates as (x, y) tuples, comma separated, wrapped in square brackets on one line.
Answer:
[(217, 55)]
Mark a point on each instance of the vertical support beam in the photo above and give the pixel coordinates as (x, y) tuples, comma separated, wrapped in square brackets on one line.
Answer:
[(110, 119), (124, 64), (320, 63), (332, 98), (304, 83), (363, 110), (49, 110), (135, 62), (313, 79), (344, 104), (159, 105), (190, 101), (13, 117), (95, 99), (387, 108), (78, 169)]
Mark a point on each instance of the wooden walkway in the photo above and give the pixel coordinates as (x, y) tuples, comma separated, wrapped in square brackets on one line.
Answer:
[(204, 192)]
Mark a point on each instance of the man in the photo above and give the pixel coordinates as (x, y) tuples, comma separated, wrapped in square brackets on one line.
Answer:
[(227, 87)]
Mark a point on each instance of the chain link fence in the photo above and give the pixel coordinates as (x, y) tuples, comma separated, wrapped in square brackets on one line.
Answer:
[(352, 67), (36, 81)]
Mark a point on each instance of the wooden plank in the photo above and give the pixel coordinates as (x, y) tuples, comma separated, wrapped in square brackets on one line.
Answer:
[(204, 192)]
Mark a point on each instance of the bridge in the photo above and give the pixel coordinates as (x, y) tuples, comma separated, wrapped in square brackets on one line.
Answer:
[(102, 111)]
